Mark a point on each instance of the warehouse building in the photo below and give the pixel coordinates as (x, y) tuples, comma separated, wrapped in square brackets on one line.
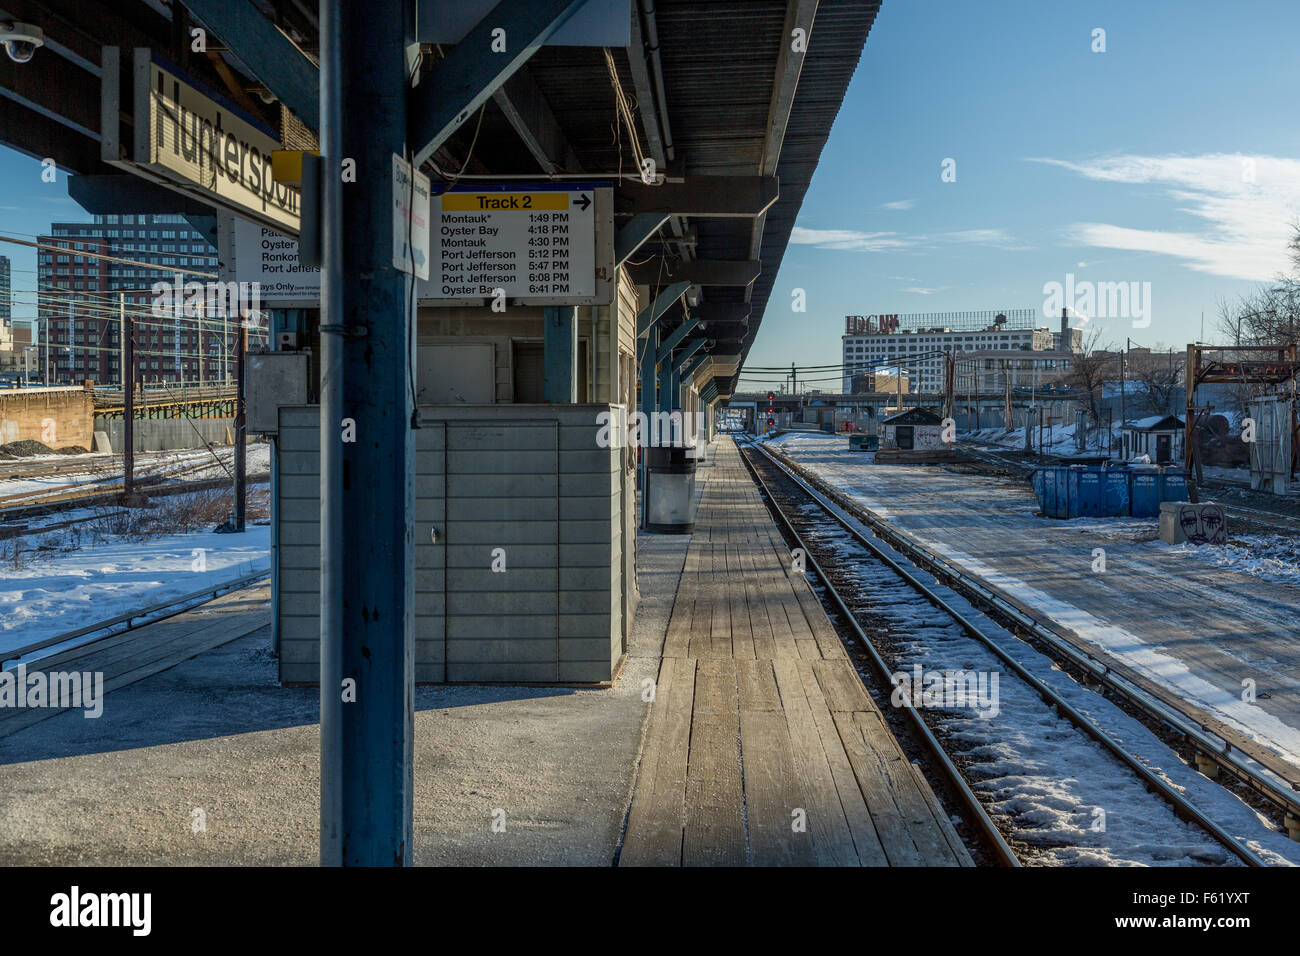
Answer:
[(920, 341)]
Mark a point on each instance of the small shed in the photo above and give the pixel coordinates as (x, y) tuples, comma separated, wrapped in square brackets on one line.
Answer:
[(1160, 438), (915, 429)]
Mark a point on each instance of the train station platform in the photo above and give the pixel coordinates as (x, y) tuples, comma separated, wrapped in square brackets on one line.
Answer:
[(760, 745), (763, 746)]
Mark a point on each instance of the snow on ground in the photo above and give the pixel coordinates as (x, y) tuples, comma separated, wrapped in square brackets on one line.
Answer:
[(57, 592), (108, 469), (1144, 610), (1272, 557)]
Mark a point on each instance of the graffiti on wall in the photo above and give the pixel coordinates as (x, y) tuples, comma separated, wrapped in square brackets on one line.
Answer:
[(1203, 524)]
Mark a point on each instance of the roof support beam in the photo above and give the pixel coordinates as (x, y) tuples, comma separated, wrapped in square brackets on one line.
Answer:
[(471, 73), (644, 94), (676, 338), (799, 15), (689, 371), (662, 303), (635, 233), (266, 53), (687, 354), (722, 312), (717, 196), (110, 193), (706, 272), (528, 112)]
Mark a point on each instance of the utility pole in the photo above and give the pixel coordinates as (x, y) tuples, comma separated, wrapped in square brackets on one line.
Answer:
[(366, 427), (121, 340), (241, 440), (1123, 389), (128, 406), (1006, 380)]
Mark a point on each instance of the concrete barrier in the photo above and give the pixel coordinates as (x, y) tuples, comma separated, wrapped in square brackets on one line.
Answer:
[(170, 434), (1203, 523)]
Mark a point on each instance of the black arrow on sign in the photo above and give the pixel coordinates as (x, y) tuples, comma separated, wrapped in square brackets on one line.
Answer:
[(582, 202)]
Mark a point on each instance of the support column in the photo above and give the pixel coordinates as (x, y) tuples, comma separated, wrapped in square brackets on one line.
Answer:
[(648, 345), (367, 447), (561, 354)]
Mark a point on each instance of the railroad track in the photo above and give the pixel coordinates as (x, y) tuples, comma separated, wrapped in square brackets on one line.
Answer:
[(830, 514), (17, 468), (1274, 779), (160, 481), (101, 496)]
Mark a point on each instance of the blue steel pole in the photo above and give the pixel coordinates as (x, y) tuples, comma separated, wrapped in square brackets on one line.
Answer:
[(331, 451), (372, 326)]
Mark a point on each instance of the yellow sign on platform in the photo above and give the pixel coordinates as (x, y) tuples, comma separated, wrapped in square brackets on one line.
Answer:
[(483, 202)]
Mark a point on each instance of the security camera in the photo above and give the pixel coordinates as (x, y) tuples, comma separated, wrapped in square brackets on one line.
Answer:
[(21, 40)]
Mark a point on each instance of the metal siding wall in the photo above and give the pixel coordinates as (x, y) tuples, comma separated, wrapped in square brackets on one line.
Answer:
[(536, 486)]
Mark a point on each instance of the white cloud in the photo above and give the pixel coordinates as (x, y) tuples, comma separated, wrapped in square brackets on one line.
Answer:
[(920, 291), (1245, 205), (850, 240), (854, 241), (900, 204)]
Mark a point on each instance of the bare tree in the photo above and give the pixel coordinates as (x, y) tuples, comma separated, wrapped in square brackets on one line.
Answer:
[(1157, 375), (1270, 315), (1093, 363)]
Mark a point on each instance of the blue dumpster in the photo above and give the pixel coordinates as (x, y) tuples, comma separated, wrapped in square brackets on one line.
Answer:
[(1068, 491), (1144, 491), (1173, 483), (1086, 496), (1052, 491), (1115, 480)]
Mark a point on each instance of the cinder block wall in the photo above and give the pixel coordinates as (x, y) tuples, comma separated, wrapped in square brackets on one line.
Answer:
[(57, 417), (528, 480)]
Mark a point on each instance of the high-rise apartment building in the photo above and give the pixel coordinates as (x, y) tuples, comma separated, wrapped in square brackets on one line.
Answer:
[(93, 266)]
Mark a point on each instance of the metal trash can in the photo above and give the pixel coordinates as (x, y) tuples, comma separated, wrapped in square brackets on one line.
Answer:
[(670, 490)]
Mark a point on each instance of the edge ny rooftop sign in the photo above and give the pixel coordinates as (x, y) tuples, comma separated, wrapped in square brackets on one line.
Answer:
[(195, 141)]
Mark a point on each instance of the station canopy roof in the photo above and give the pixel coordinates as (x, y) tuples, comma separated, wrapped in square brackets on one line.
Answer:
[(712, 88)]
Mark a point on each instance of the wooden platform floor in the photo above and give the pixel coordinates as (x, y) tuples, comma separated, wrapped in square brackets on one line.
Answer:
[(134, 655), (763, 746)]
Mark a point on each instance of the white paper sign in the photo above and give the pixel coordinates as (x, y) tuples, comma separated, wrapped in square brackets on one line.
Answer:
[(410, 219)]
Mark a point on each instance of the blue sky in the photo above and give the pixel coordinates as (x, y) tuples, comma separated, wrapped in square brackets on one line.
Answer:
[(1131, 162), (27, 207)]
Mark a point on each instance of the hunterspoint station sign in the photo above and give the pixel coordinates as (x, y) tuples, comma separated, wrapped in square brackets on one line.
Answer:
[(193, 140)]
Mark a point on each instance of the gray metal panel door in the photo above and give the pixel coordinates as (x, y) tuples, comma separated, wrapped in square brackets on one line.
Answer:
[(502, 551)]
